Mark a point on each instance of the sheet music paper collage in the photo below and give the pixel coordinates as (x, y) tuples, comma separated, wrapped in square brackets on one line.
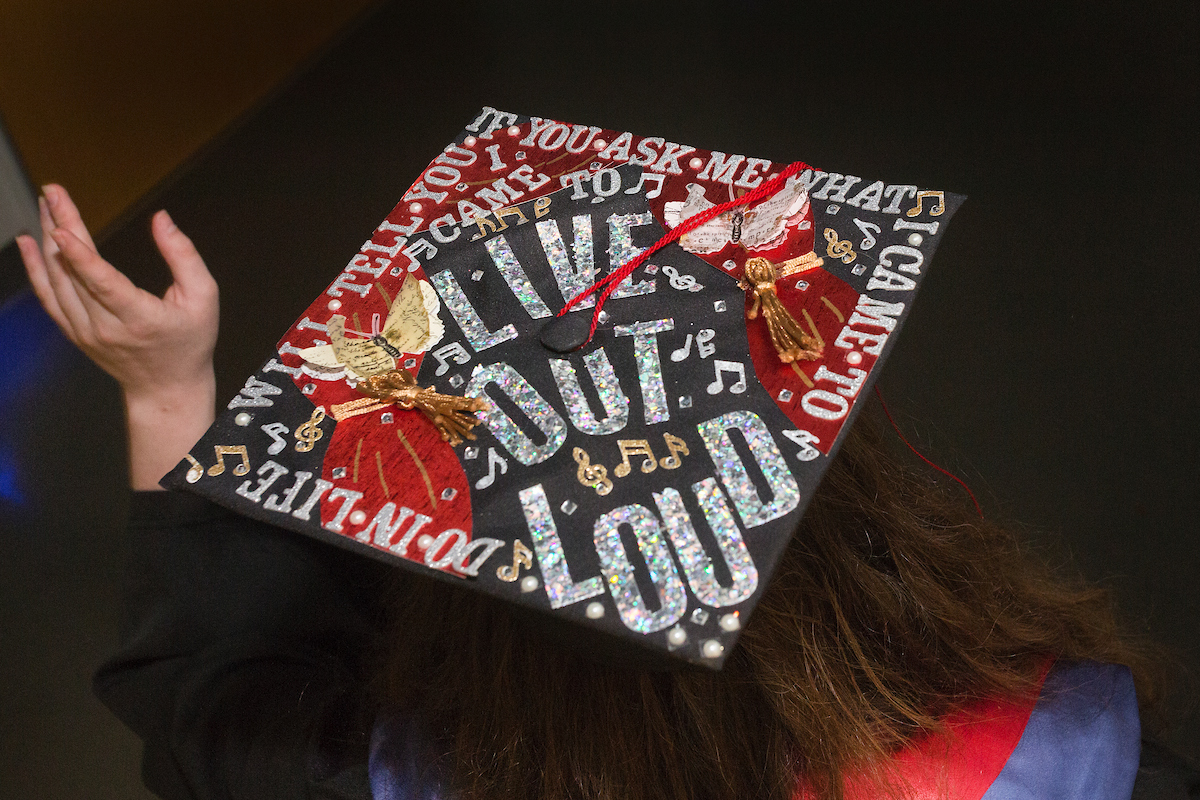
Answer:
[(644, 485)]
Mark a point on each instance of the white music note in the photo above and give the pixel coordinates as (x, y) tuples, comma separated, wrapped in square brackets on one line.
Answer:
[(683, 352), (736, 367), (276, 430), (494, 459), (702, 342), (649, 176), (869, 229), (806, 441), (453, 351)]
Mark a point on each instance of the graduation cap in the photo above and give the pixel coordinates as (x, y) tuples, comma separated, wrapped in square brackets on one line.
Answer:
[(594, 374)]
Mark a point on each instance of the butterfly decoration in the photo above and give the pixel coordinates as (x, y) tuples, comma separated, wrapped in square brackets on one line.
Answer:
[(412, 326), (761, 227)]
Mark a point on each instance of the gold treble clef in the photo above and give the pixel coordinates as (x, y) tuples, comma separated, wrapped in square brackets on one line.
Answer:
[(593, 475), (308, 433)]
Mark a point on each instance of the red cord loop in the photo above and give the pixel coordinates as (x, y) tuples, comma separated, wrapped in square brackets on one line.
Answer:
[(609, 283)]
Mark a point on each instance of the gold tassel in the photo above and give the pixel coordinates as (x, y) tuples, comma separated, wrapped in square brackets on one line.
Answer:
[(451, 414), (790, 341)]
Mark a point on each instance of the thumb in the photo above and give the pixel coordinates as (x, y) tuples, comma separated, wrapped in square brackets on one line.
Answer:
[(187, 267)]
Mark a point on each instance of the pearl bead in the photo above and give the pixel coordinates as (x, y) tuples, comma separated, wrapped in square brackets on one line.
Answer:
[(334, 305), (414, 208), (696, 163), (513, 130), (358, 517), (712, 649), (243, 418), (599, 144), (676, 636), (915, 239), (424, 541), (595, 610), (731, 622), (470, 141), (529, 584), (854, 357)]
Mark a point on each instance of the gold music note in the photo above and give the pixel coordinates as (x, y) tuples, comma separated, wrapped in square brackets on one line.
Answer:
[(839, 248), (936, 211), (634, 447), (308, 433), (522, 557), (196, 471), (677, 447), (223, 450), (593, 475)]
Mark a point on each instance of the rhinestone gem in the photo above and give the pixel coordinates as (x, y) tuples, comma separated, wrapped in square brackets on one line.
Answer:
[(409, 363), (859, 269), (477, 275), (309, 388), (700, 616), (449, 493), (802, 285), (339, 472), (719, 306), (832, 208), (470, 453), (456, 381), (387, 418), (785, 396), (568, 507), (685, 401)]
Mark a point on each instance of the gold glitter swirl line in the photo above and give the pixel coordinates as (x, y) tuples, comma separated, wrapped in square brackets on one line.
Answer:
[(357, 324), (420, 466), (813, 326), (379, 288), (382, 481), (357, 455), (833, 308), (807, 381)]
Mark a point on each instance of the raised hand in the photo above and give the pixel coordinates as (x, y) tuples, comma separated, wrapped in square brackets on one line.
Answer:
[(158, 349)]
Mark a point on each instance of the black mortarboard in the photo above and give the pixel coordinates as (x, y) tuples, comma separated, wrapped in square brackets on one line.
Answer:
[(432, 409)]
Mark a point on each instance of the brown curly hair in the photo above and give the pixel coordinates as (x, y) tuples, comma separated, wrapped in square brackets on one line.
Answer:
[(893, 605)]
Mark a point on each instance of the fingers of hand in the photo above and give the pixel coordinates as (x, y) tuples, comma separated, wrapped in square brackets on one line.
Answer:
[(187, 267), (64, 213), (98, 282), (35, 268)]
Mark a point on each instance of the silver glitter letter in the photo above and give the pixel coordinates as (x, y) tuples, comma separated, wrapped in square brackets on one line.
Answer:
[(621, 251), (645, 352), (560, 588), (618, 571), (572, 279), (616, 404), (529, 401), (466, 317), (697, 565), (515, 277), (784, 490)]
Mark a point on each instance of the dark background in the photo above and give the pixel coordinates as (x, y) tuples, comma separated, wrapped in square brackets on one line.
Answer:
[(1050, 360)]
